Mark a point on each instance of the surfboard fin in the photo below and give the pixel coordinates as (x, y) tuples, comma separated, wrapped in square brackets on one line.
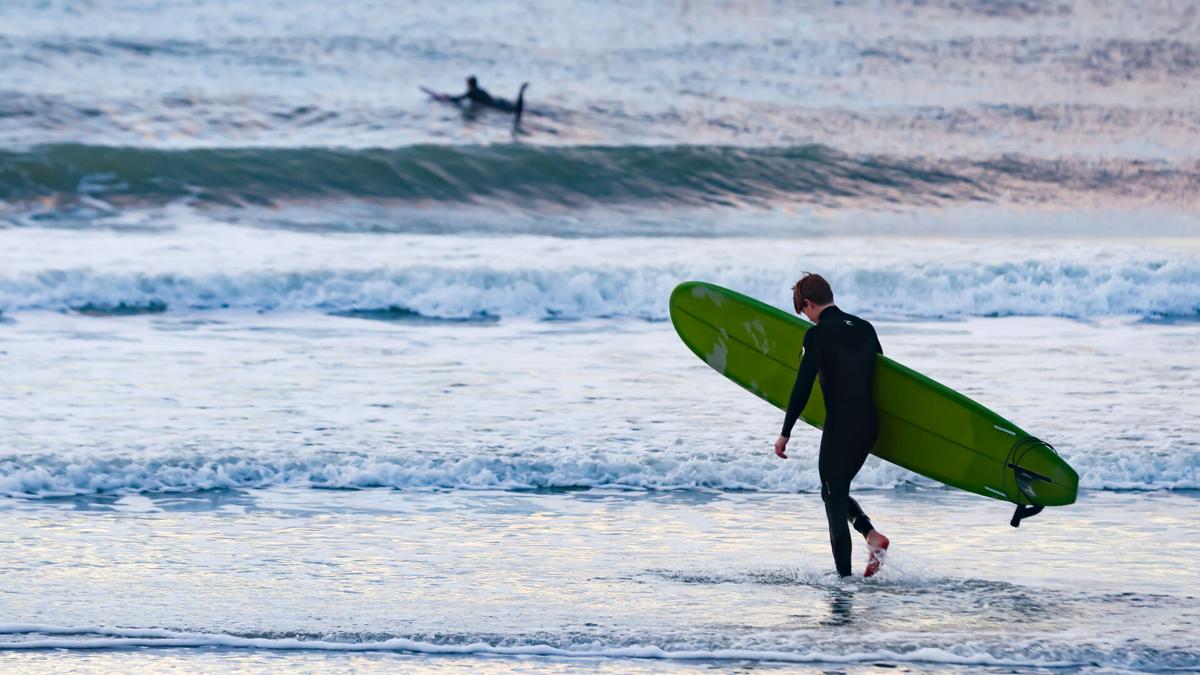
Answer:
[(1025, 479)]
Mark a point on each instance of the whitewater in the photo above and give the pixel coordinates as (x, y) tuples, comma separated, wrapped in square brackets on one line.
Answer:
[(207, 266)]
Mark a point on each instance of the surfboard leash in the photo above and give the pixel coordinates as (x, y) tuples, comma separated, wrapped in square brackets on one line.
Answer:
[(1024, 478)]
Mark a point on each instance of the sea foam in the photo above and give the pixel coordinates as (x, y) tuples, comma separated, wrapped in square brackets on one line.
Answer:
[(43, 476), (1152, 286), (900, 648)]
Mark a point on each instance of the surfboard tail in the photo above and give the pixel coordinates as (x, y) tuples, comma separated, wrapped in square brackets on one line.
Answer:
[(1039, 478)]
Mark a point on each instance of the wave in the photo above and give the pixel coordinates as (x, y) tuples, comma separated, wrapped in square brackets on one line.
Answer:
[(902, 649), (514, 174), (1156, 286), (528, 176), (42, 477), (47, 477)]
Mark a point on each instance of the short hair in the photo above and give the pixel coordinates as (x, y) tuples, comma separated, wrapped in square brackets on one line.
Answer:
[(814, 288)]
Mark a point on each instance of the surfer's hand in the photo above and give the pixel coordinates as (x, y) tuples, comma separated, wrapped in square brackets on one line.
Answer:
[(780, 446)]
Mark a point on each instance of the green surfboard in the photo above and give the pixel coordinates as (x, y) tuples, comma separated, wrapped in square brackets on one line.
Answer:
[(924, 426)]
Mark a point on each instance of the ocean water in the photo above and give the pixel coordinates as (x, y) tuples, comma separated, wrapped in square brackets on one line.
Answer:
[(301, 370)]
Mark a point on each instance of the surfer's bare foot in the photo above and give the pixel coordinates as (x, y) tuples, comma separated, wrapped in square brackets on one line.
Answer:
[(877, 544)]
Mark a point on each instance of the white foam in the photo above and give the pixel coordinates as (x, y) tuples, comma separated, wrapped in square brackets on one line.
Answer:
[(101, 637), (459, 277), (56, 477), (44, 477)]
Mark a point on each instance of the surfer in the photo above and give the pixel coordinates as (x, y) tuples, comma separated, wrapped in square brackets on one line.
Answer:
[(479, 96), (840, 348)]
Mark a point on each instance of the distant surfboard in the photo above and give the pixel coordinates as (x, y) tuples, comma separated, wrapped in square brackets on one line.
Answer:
[(437, 95), (924, 426)]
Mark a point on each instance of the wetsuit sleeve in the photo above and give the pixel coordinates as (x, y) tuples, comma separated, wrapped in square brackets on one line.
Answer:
[(878, 347), (809, 364)]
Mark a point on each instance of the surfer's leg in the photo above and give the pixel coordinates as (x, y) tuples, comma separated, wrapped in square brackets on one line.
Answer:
[(858, 518), (856, 454), (877, 544), (520, 107), (835, 491), (852, 453), (836, 494)]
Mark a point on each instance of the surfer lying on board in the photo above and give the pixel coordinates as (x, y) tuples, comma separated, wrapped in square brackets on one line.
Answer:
[(476, 95), (840, 348)]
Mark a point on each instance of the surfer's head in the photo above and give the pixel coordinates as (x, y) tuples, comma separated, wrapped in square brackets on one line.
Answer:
[(472, 85), (811, 294)]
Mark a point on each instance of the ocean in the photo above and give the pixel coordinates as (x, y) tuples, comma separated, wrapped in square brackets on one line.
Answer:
[(301, 369)]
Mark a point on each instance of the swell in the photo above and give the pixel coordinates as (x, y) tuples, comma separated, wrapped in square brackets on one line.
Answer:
[(527, 176), (515, 174)]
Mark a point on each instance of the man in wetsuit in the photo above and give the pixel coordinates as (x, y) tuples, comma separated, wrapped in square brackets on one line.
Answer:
[(841, 348), (476, 95)]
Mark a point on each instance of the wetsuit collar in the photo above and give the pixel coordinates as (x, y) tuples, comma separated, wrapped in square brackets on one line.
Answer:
[(830, 310)]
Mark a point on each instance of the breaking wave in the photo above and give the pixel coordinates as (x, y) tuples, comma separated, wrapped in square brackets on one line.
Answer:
[(61, 476), (1151, 286)]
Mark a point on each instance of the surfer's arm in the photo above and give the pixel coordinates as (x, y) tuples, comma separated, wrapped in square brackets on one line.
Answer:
[(479, 97), (809, 363)]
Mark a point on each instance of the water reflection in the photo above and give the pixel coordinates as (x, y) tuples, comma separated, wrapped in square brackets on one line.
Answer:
[(841, 608)]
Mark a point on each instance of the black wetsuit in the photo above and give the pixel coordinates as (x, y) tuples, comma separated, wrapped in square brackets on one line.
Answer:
[(479, 96), (842, 348)]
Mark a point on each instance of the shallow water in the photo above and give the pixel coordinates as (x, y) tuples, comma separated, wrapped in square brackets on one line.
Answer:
[(168, 402), (708, 577), (563, 489)]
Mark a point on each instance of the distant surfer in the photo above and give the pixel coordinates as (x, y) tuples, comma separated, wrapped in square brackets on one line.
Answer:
[(479, 96), (841, 348)]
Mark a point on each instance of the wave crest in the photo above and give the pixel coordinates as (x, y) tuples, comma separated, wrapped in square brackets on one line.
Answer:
[(1149, 287)]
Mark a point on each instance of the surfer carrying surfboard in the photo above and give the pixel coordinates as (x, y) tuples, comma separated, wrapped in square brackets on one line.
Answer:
[(841, 349)]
